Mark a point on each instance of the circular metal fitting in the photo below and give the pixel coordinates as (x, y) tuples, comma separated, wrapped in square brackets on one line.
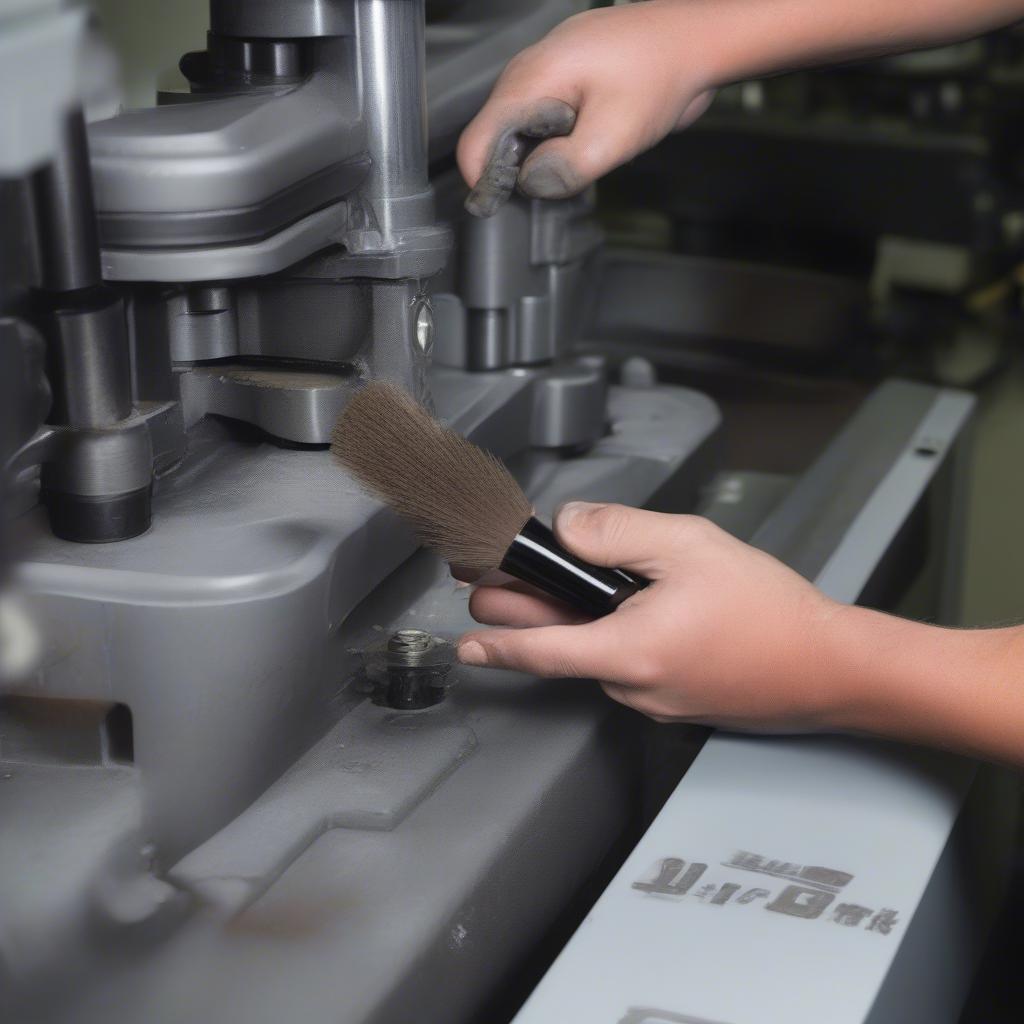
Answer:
[(410, 641), (408, 670)]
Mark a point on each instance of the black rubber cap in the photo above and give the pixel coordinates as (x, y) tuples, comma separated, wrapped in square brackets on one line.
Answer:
[(91, 520)]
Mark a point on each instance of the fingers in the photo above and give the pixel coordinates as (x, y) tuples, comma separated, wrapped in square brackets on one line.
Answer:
[(626, 538), (595, 650), (504, 606), (576, 151), (560, 652), (493, 146), (578, 91), (605, 135), (497, 180)]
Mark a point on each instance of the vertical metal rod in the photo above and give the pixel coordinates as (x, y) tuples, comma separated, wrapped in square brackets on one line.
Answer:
[(97, 483), (390, 42), (65, 215)]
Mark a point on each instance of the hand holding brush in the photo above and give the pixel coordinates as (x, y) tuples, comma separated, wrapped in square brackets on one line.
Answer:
[(725, 635), (462, 501)]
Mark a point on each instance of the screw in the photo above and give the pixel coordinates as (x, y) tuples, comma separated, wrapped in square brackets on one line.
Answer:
[(408, 686), (409, 641), (409, 670)]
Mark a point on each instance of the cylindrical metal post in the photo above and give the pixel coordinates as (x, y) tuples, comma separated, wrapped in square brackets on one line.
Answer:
[(390, 43), (97, 483), (88, 363), (277, 19), (487, 339), (65, 214)]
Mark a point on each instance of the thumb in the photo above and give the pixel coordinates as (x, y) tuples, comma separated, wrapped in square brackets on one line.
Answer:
[(620, 537)]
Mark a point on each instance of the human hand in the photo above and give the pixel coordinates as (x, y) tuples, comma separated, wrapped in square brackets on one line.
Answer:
[(725, 634), (600, 88)]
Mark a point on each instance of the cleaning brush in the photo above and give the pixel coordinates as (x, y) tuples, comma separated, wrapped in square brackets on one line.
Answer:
[(462, 501)]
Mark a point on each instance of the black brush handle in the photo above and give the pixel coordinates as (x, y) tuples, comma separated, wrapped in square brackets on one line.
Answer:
[(535, 557)]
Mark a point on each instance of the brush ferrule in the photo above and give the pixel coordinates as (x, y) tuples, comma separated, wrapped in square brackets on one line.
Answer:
[(536, 557)]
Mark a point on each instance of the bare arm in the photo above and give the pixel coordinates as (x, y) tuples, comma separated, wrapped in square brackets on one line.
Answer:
[(958, 689), (775, 35), (609, 83)]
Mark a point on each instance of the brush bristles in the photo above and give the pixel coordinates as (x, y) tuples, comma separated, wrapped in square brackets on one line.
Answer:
[(459, 499)]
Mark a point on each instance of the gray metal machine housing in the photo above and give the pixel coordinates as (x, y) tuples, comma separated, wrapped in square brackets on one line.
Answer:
[(205, 815)]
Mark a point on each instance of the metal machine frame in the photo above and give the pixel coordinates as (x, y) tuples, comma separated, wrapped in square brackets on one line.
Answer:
[(211, 811)]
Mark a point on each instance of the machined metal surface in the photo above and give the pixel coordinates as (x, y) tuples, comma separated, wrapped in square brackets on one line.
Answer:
[(88, 362), (96, 463), (265, 256), (390, 43), (237, 226), (98, 470), (569, 406), (523, 280), (300, 19), (298, 405), (237, 616), (223, 154), (233, 63), (245, 185), (266, 536)]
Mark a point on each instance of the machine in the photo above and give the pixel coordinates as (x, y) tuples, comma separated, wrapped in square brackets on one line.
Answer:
[(240, 777)]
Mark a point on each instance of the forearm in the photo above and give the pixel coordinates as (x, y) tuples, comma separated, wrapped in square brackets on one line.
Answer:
[(958, 689), (746, 38)]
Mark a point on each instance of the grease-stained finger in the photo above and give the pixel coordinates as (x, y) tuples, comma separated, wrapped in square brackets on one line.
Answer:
[(542, 119)]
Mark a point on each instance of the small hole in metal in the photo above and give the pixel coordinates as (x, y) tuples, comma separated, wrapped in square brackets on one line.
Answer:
[(925, 452), (119, 735)]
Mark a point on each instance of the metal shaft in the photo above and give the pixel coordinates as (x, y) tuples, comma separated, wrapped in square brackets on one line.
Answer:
[(390, 41), (65, 215)]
